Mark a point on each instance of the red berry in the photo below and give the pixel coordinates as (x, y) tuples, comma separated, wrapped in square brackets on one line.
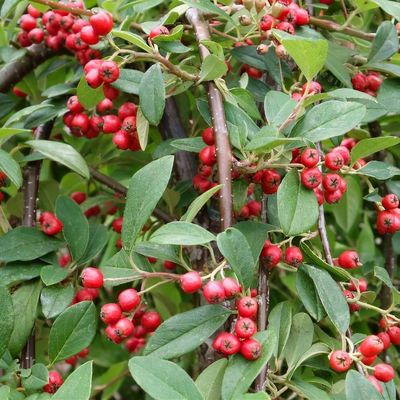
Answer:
[(124, 327), (23, 39), (331, 182), (201, 184), (191, 282), (159, 30), (394, 334), (387, 222), (111, 124), (19, 93), (362, 285), (110, 92), (254, 208), (110, 313), (169, 265), (113, 334), (79, 124), (270, 181), (334, 161), (231, 287), (390, 201), (386, 339), (117, 224), (55, 381), (376, 383), (319, 194), (150, 321), (229, 344), (86, 294), (374, 82), (101, 22), (340, 361), (245, 328), (272, 254), (139, 331), (371, 346), (348, 142), (104, 106), (368, 360), (88, 35), (245, 212), (311, 178), (345, 153), (333, 197), (250, 349), (208, 155), (127, 110), (92, 278), (64, 260), (286, 27), (83, 353), (213, 292), (121, 140), (359, 82), (72, 360), (301, 17), (314, 88), (208, 136), (78, 197), (27, 22), (36, 35), (349, 259), (309, 157), (293, 256), (354, 307), (74, 105), (35, 13), (129, 124), (51, 225), (93, 78), (247, 307), (128, 299), (109, 71), (254, 72), (384, 372)]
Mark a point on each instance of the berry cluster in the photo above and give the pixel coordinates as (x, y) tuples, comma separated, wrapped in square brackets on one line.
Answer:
[(50, 224), (388, 218), (128, 320), (366, 355), (272, 255), (54, 382), (59, 28), (368, 83)]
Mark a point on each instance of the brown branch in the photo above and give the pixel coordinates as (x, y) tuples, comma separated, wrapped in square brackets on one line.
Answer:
[(117, 187), (263, 306), (15, 71), (333, 26), (30, 191), (171, 128), (215, 101)]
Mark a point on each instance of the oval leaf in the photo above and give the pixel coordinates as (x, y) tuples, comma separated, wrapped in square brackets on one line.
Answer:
[(186, 331), (366, 147), (358, 387), (11, 168), (7, 319), (134, 39), (209, 381)]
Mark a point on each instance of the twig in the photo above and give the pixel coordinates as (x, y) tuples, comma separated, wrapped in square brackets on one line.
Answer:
[(15, 71), (30, 191), (333, 26), (215, 101), (117, 187)]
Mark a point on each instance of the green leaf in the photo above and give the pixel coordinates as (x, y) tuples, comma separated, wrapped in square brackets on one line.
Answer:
[(27, 111), (118, 276), (344, 93), (234, 247), (348, 211), (315, 350), (294, 203), (337, 57), (366, 147), (186, 331), (11, 168), (174, 35), (142, 126), (212, 68), (300, 339), (39, 376), (308, 295), (159, 251), (277, 107), (18, 272), (358, 387), (98, 237), (240, 373), (152, 94), (56, 299), (5, 132), (329, 119), (89, 97), (24, 244), (73, 221), (145, 190), (209, 7), (379, 170), (163, 380), (128, 81), (392, 8), (7, 319), (280, 321), (388, 94), (366, 242), (130, 37), (198, 204), (331, 297), (267, 139), (310, 391), (72, 331), (182, 233), (25, 300), (51, 274), (309, 54), (385, 43), (246, 101), (383, 276), (188, 144), (209, 382), (62, 153), (78, 385), (239, 194)]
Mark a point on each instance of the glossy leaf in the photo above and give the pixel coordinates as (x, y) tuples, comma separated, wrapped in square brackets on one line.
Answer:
[(19, 272), (186, 331), (379, 170), (209, 382), (385, 43), (358, 387), (152, 94), (280, 321), (159, 251), (240, 373), (89, 97), (98, 236), (51, 274), (315, 350), (7, 319), (188, 144), (310, 391), (212, 68), (329, 119), (277, 107), (11, 168), (369, 146), (128, 81), (182, 233), (134, 39), (62, 153), (24, 244), (55, 300), (72, 331), (163, 380), (145, 190), (294, 202), (73, 221), (39, 376), (118, 276), (78, 385)]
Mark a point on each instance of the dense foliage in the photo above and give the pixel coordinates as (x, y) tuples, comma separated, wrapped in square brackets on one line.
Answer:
[(199, 200)]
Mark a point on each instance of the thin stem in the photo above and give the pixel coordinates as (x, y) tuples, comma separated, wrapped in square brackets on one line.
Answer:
[(153, 286)]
